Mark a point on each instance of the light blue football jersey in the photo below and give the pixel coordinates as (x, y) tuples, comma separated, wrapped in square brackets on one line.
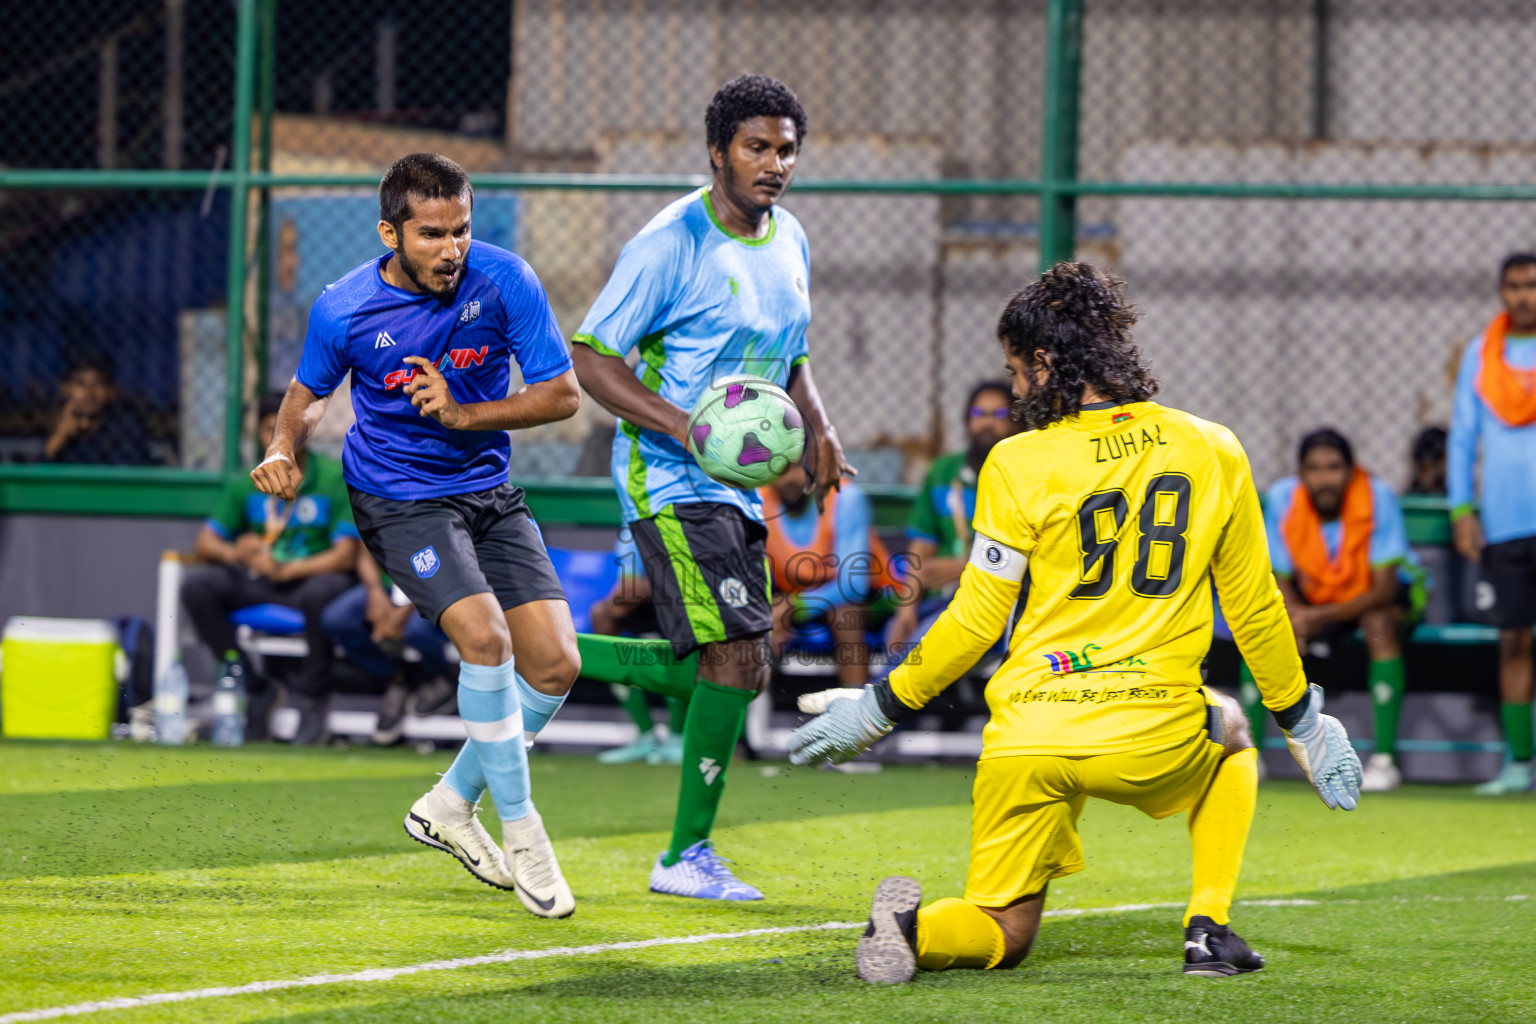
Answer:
[(700, 304)]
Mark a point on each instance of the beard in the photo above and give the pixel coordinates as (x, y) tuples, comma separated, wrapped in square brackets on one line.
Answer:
[(980, 447), (424, 280)]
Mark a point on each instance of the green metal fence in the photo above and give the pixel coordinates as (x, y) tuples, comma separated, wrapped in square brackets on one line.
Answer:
[(1301, 221)]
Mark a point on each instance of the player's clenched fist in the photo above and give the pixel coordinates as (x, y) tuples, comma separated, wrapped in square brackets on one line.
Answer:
[(279, 476), (429, 392)]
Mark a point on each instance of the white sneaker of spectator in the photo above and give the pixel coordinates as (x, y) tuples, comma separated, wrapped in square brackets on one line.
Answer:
[(1381, 775)]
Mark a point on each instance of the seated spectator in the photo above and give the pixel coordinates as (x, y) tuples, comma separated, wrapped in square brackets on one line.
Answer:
[(94, 425), (823, 565), (1429, 462), (374, 632), (266, 551), (939, 532), (1339, 550), (627, 611)]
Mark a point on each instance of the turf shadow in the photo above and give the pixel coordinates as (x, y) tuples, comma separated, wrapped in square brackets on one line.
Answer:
[(1385, 951), (225, 824)]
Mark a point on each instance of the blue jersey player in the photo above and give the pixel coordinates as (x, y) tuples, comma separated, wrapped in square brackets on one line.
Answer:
[(717, 284), (427, 331), (1495, 522)]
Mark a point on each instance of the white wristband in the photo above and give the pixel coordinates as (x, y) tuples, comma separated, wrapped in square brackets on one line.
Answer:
[(274, 458)]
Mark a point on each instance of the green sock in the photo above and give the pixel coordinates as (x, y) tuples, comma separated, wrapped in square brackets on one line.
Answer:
[(1386, 683), (1517, 730), (1253, 704), (635, 704), (648, 664), (677, 711), (716, 715)]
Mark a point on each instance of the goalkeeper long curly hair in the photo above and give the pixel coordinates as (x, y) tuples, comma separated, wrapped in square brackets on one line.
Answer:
[(1077, 316)]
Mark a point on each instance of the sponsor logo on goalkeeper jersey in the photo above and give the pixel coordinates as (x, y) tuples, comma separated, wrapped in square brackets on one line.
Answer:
[(1071, 662), (1063, 662)]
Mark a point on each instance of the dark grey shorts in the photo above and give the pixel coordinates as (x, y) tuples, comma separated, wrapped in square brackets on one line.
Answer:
[(442, 550)]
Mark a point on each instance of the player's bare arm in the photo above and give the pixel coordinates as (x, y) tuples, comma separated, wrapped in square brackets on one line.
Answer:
[(1467, 535), (610, 380), (824, 452), (1382, 591), (544, 402), (341, 556), (279, 474), (210, 547)]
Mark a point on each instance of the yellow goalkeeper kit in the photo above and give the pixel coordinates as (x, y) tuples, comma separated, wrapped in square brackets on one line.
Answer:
[(1097, 539)]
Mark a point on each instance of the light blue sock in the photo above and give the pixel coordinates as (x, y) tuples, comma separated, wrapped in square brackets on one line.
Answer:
[(464, 775), (493, 717), (538, 708)]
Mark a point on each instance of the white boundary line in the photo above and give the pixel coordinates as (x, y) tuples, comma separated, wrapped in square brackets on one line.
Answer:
[(511, 955)]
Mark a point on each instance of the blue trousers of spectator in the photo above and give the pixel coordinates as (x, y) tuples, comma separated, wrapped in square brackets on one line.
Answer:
[(346, 620)]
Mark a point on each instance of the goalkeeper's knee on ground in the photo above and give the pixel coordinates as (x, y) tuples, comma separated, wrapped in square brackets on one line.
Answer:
[(952, 933)]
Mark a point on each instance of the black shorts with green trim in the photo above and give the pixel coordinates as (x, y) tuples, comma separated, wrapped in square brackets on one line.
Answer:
[(708, 567)]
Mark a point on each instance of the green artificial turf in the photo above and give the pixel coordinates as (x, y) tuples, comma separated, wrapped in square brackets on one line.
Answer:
[(129, 870)]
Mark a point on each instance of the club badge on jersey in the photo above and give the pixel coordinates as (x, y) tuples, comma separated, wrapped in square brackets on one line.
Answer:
[(998, 559)]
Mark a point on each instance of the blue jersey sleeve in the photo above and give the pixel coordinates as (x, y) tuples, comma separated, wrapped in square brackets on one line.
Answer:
[(850, 539), (1466, 425), (1389, 533), (1276, 500), (650, 275), (532, 332), (325, 363)]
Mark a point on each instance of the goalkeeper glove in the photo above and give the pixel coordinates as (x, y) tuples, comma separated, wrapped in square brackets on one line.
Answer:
[(1320, 745), (848, 722)]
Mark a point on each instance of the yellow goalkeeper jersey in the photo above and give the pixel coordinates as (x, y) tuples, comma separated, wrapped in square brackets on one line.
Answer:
[(1097, 539)]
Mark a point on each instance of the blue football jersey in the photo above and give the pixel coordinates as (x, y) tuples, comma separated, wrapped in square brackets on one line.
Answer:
[(363, 325), (700, 304)]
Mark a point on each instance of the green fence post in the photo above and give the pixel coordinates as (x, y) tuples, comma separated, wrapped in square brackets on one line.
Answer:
[(266, 100), (239, 190), (1058, 145)]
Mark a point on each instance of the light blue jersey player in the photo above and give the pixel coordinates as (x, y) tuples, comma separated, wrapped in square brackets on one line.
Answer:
[(700, 304), (1495, 524), (717, 284), (427, 333)]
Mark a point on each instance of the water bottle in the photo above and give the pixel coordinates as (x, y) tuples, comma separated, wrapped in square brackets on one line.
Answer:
[(229, 704), (171, 705)]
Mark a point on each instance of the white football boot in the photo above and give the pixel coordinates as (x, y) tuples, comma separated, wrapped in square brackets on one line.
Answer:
[(1381, 775), (535, 872), (446, 821)]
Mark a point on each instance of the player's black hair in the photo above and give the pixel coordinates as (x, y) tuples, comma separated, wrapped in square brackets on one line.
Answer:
[(744, 98), (1326, 437), (1078, 317), (90, 357), (1429, 445), (268, 405), (425, 176), (1514, 260), (1002, 387)]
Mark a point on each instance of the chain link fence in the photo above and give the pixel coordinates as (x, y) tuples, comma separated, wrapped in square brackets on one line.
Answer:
[(112, 318), (1274, 315), (1278, 316)]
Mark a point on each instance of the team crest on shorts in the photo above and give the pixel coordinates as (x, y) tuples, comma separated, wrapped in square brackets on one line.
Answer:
[(425, 562), (733, 592), (469, 312)]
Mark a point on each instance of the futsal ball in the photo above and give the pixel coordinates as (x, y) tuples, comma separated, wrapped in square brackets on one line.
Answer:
[(746, 431)]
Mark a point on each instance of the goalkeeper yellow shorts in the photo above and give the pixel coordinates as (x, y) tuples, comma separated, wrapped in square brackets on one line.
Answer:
[(1025, 807)]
